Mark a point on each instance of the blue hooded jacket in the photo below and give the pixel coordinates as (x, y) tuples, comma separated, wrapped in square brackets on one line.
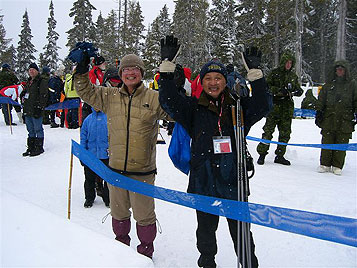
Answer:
[(94, 134)]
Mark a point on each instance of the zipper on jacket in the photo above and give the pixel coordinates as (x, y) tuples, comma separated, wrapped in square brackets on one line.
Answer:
[(127, 133)]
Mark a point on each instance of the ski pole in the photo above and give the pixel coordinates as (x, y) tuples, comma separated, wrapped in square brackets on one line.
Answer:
[(10, 121), (242, 185), (239, 246), (70, 187)]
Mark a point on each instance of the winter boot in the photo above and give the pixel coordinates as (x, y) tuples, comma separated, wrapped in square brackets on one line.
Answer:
[(88, 203), (206, 262), (121, 230), (323, 169), (336, 171), (281, 160), (30, 146), (38, 147), (261, 159), (146, 235)]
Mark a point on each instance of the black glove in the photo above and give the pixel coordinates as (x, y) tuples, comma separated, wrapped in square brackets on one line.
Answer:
[(37, 112), (253, 57), (318, 118), (83, 65), (169, 48)]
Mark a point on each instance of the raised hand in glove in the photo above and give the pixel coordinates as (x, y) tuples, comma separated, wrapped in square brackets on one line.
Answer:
[(83, 66), (251, 61), (252, 57), (37, 112), (169, 50)]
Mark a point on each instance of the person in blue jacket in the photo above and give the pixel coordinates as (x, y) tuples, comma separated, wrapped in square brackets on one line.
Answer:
[(94, 138), (208, 121)]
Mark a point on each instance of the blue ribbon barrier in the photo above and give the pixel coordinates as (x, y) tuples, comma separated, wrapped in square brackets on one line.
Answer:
[(5, 100), (336, 229), (67, 104), (304, 113), (338, 147)]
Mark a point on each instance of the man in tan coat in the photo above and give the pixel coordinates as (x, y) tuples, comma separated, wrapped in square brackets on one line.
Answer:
[(133, 112)]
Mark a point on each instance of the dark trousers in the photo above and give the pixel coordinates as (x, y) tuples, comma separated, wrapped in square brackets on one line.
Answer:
[(90, 184), (333, 157), (207, 242), (6, 108)]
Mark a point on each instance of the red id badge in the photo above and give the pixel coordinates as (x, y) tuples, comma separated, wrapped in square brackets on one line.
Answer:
[(222, 145)]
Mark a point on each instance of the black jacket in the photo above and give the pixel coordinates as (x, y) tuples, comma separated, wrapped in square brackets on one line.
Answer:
[(213, 174), (35, 95)]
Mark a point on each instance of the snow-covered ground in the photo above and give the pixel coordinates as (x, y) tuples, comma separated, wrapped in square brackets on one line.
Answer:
[(35, 231)]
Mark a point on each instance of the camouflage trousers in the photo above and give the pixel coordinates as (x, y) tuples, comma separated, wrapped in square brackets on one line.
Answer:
[(333, 157), (284, 128)]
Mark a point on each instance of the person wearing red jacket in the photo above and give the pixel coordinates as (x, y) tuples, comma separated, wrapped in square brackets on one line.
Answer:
[(96, 75)]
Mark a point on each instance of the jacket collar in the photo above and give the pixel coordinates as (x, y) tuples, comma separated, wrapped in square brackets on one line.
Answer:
[(213, 104), (136, 92)]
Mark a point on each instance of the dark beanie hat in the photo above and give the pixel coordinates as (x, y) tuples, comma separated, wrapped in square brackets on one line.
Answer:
[(34, 65), (46, 70), (131, 60), (98, 60), (213, 66)]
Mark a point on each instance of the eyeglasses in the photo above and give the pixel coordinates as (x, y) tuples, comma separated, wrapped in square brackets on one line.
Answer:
[(131, 69)]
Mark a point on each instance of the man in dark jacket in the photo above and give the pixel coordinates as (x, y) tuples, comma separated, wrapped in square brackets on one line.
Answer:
[(284, 84), (34, 102), (55, 87), (309, 102), (336, 114), (7, 78), (207, 119)]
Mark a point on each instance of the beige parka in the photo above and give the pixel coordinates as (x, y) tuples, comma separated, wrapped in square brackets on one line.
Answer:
[(132, 123)]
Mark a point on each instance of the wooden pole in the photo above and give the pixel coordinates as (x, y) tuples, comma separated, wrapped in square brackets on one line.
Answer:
[(10, 121), (70, 187)]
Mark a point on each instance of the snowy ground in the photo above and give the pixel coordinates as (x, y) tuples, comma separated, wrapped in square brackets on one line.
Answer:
[(35, 231)]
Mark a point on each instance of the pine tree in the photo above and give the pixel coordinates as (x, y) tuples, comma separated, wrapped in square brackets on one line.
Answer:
[(319, 40), (160, 27), (84, 29), (9, 56), (4, 42), (25, 48), (222, 29), (190, 26), (110, 49), (50, 54), (99, 32), (135, 37)]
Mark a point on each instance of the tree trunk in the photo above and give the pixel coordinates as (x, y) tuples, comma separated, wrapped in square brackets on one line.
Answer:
[(341, 31), (299, 9)]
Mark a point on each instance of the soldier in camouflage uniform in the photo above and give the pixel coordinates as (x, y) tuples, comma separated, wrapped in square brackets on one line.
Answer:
[(336, 114), (283, 83), (309, 102), (7, 78)]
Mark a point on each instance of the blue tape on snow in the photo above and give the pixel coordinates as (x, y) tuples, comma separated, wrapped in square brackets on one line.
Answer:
[(8, 100), (338, 147), (67, 104), (321, 226), (304, 113)]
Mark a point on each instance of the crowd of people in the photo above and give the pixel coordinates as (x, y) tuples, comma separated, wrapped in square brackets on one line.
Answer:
[(119, 124)]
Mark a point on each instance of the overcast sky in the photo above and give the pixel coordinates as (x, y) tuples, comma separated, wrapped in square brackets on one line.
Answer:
[(38, 12)]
